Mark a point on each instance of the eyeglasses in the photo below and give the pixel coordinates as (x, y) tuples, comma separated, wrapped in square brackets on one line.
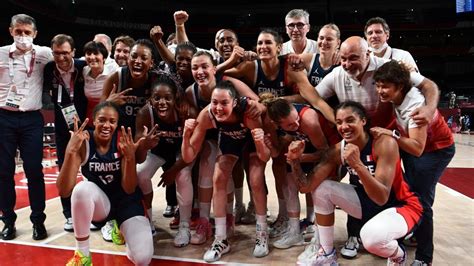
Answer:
[(58, 54), (298, 25)]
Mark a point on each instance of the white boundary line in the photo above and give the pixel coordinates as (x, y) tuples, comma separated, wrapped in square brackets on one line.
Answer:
[(108, 252), (454, 192)]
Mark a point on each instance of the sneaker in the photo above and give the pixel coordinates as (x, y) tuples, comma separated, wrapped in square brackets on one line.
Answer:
[(420, 263), (92, 227), (239, 213), (323, 258), (310, 251), (249, 217), (153, 229), (401, 261), (117, 237), (170, 211), (279, 227), (68, 226), (218, 248), (261, 244), (183, 236), (106, 231), (79, 259), (306, 226), (289, 239), (174, 224), (203, 232), (350, 248), (230, 225)]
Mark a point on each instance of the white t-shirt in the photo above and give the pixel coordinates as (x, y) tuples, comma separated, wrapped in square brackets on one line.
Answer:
[(339, 83), (413, 99), (93, 87), (399, 55), (310, 48)]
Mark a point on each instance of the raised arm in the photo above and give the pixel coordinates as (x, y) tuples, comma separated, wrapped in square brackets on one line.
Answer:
[(156, 35), (74, 156), (128, 149), (180, 18), (194, 134)]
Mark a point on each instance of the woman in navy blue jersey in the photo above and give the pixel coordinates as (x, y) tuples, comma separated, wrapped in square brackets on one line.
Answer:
[(109, 190), (236, 132)]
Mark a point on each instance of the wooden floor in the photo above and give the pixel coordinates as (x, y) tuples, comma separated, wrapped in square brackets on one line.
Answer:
[(453, 218)]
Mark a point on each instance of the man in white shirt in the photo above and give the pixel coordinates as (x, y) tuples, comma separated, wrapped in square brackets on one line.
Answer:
[(297, 26), (377, 33), (21, 123)]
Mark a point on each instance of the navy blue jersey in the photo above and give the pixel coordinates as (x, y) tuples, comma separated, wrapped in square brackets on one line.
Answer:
[(233, 137), (171, 137), (105, 170), (276, 86), (128, 111), (317, 73)]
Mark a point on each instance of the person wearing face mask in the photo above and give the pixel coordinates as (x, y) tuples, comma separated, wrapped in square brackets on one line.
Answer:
[(377, 33), (21, 123), (63, 86), (297, 26)]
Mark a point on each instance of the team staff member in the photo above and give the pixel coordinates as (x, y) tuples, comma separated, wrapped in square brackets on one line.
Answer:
[(21, 123), (64, 87)]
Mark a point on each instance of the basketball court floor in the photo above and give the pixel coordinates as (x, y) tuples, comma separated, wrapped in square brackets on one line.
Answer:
[(453, 218)]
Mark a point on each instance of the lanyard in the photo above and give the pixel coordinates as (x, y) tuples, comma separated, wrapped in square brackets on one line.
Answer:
[(28, 71), (70, 90)]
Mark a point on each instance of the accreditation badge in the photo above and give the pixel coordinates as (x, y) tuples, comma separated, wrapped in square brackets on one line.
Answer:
[(69, 111), (14, 97)]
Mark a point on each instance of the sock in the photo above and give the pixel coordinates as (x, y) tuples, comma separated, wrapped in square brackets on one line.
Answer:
[(239, 196), (294, 223), (185, 213), (204, 209), (310, 213), (220, 228), (83, 246), (261, 222), (282, 208), (326, 237)]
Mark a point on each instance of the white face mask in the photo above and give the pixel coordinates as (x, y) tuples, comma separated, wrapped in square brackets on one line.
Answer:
[(23, 42), (374, 50)]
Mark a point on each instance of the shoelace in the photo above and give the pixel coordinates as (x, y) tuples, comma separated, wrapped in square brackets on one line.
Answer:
[(219, 246), (351, 244)]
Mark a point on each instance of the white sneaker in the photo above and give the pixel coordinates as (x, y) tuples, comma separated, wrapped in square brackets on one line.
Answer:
[(68, 226), (310, 251), (92, 227), (218, 248), (183, 236), (350, 248), (279, 227), (106, 231), (261, 244), (289, 239), (323, 258)]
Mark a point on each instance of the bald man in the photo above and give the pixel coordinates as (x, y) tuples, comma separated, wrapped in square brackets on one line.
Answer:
[(353, 80)]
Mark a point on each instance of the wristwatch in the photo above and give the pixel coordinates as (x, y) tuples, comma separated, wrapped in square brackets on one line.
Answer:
[(396, 134)]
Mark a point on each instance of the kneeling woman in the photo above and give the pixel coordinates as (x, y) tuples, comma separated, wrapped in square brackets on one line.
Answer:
[(381, 199), (225, 112), (109, 190)]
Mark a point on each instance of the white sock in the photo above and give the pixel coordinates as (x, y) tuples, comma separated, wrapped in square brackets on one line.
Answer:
[(294, 223), (220, 227), (239, 196), (83, 246), (282, 208), (261, 222), (185, 213), (326, 237), (204, 209)]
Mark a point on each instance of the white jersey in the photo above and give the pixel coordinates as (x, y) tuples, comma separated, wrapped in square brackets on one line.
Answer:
[(311, 47), (413, 99), (399, 55)]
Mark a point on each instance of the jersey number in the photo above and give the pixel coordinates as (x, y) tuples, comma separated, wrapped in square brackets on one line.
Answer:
[(107, 179)]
